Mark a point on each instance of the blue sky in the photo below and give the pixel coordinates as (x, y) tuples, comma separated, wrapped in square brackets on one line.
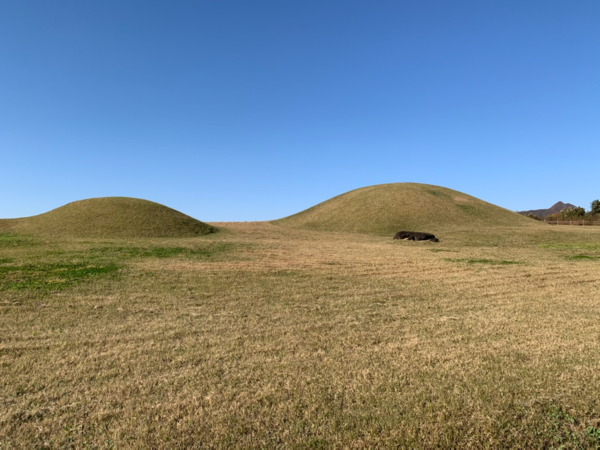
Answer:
[(254, 110)]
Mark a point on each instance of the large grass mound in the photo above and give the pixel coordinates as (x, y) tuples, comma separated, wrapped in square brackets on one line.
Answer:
[(387, 208), (109, 217)]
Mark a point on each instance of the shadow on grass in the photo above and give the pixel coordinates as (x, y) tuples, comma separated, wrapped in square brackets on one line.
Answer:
[(495, 262)]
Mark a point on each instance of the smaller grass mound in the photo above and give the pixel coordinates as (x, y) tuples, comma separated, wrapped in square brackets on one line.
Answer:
[(106, 217)]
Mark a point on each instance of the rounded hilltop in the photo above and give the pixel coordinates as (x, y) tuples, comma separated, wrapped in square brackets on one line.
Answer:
[(110, 217), (387, 208)]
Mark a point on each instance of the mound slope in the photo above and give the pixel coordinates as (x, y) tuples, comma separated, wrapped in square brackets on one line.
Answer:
[(110, 217), (387, 208)]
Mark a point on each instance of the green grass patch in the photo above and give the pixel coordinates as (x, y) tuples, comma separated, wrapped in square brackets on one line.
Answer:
[(495, 262), (583, 257), (565, 431), (593, 433), (15, 240), (574, 246), (438, 250), (208, 250), (438, 193), (61, 269), (50, 277), (470, 209)]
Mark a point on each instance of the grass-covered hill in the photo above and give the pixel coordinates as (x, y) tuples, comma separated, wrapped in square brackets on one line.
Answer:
[(387, 208), (109, 217)]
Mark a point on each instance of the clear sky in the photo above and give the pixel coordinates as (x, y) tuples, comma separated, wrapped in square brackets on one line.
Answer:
[(254, 110)]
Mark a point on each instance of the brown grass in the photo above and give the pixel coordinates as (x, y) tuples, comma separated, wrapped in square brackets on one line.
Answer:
[(281, 337)]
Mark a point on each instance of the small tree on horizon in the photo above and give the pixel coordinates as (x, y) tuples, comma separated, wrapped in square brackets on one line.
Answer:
[(595, 208), (571, 213)]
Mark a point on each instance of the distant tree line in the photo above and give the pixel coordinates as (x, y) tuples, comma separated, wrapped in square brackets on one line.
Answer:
[(577, 213)]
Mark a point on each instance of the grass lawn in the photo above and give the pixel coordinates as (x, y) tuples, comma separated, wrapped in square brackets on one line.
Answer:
[(265, 336)]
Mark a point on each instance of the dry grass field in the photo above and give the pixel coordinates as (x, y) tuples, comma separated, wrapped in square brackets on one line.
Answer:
[(262, 336)]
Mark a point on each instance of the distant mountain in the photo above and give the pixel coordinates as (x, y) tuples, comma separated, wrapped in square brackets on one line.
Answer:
[(557, 207)]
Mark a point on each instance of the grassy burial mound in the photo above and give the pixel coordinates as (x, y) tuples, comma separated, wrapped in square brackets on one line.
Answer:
[(387, 208), (109, 217)]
